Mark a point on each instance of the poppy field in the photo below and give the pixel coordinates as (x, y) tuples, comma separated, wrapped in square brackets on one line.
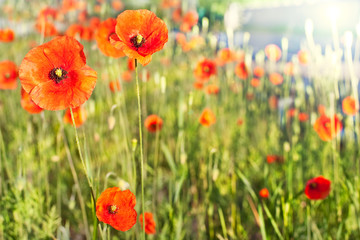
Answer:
[(141, 121)]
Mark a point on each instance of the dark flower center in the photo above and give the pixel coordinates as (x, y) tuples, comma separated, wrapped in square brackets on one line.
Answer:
[(7, 75), (137, 41), (111, 34), (112, 209), (206, 69), (58, 74), (313, 185)]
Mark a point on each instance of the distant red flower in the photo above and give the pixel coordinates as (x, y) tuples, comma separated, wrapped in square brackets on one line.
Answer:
[(8, 75), (273, 102), (303, 57), (131, 64), (205, 69), (264, 193), (198, 84), (29, 104), (44, 22), (291, 113), (303, 117), (115, 86), (324, 129), (317, 188), (102, 36), (289, 69), (79, 116), (149, 223), (276, 78), (170, 3), (321, 109), (56, 76), (153, 123), (116, 208), (212, 89), (259, 72), (349, 106), (273, 52), (74, 30), (190, 19), (241, 71), (7, 35), (139, 34), (274, 159), (240, 122), (255, 82), (87, 33), (126, 76), (207, 118), (225, 56), (117, 5)]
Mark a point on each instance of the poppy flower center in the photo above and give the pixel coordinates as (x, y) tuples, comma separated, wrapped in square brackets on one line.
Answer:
[(137, 41), (313, 185), (58, 74), (206, 69), (327, 125), (7, 75), (112, 209)]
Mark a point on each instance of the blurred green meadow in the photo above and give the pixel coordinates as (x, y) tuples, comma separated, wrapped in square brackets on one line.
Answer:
[(201, 182)]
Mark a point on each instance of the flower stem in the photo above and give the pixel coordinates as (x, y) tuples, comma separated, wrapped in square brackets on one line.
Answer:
[(141, 150), (86, 174)]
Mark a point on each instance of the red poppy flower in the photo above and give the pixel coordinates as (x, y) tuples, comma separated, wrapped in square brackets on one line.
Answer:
[(104, 31), (198, 84), (149, 223), (170, 3), (321, 109), (126, 76), (153, 123), (131, 64), (139, 34), (116, 208), (274, 159), (291, 113), (241, 71), (44, 24), (115, 86), (317, 188), (324, 129), (303, 57), (273, 52), (74, 30), (207, 118), (29, 104), (190, 19), (255, 82), (264, 193), (87, 33), (56, 76), (7, 35), (349, 106), (289, 69), (79, 116), (240, 122), (276, 78), (205, 69), (8, 75), (259, 72), (117, 5), (303, 117), (225, 56), (212, 89), (273, 102)]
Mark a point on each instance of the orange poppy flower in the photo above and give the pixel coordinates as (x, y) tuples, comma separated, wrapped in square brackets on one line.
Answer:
[(68, 5), (117, 5), (349, 106), (273, 52), (198, 84), (276, 78), (255, 82), (131, 64), (169, 3), (303, 117), (56, 76), (153, 123), (259, 72), (126, 76), (240, 122), (274, 159), (207, 118), (139, 34), (7, 35), (44, 24), (264, 193), (225, 56), (303, 57), (273, 102), (115, 86), (87, 33), (205, 69), (289, 69), (102, 36), (291, 113), (79, 116), (177, 15), (321, 109), (190, 19), (29, 104), (74, 30), (212, 89), (116, 208), (8, 75), (149, 223), (317, 188), (241, 71), (324, 129)]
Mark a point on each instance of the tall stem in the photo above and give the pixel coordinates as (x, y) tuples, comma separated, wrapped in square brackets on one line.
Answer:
[(141, 150), (86, 174)]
